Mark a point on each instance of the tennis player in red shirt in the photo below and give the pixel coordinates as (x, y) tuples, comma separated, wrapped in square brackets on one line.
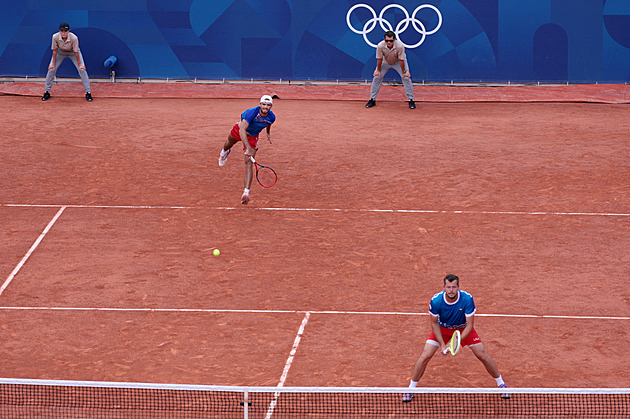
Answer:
[(252, 122)]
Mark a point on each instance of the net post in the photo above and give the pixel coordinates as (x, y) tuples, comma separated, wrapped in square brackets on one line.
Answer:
[(246, 404)]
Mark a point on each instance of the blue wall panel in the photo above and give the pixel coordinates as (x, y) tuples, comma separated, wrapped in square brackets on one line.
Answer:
[(459, 40)]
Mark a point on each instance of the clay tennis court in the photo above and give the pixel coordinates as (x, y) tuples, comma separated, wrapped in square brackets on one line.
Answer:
[(528, 201)]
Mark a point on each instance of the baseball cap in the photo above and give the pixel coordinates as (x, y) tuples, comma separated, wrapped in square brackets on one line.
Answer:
[(266, 99), (64, 26)]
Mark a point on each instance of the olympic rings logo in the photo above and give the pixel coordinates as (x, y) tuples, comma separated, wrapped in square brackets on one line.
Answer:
[(400, 27)]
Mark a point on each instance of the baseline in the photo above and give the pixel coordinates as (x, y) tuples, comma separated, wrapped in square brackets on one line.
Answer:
[(374, 210)]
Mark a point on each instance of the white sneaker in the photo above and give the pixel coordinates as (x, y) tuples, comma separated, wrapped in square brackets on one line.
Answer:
[(245, 198), (223, 158)]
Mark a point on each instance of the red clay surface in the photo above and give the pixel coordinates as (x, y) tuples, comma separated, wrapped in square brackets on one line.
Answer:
[(498, 181), (595, 93)]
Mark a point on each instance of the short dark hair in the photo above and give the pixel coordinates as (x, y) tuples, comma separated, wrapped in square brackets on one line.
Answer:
[(451, 278), (389, 34)]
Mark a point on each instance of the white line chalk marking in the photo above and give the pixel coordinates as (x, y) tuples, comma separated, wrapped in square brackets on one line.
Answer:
[(31, 250)]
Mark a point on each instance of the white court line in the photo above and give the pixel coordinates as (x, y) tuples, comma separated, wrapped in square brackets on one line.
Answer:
[(411, 211), (255, 311), (287, 365), (406, 211), (31, 250), (94, 206)]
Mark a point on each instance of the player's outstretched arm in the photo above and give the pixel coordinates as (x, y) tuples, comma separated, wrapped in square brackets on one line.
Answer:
[(470, 323), (435, 327), (242, 130), (269, 134)]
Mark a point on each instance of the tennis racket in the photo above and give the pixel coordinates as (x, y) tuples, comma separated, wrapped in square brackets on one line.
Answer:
[(265, 175), (455, 344)]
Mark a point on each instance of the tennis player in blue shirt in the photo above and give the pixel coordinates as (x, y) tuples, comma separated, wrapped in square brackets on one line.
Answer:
[(252, 122), (451, 310)]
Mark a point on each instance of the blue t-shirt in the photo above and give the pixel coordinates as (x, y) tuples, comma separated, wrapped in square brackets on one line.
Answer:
[(452, 315), (256, 121)]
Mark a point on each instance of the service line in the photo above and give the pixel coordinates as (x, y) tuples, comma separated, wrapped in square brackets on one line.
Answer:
[(310, 312)]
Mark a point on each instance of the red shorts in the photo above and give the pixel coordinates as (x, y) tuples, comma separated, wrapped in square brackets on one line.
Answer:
[(472, 338), (253, 141)]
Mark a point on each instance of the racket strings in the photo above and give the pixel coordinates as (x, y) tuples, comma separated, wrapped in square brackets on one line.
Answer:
[(455, 342), (266, 176)]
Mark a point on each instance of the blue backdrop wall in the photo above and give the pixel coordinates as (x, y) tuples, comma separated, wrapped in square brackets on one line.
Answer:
[(459, 40)]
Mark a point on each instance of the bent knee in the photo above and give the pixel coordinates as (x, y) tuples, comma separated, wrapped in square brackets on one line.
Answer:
[(482, 355)]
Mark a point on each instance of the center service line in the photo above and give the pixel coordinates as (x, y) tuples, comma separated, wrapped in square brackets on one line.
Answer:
[(31, 250), (287, 366)]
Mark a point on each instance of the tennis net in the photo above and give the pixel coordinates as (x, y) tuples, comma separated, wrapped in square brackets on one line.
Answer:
[(20, 398)]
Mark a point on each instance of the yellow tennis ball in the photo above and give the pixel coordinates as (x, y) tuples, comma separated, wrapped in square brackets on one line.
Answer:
[(216, 252)]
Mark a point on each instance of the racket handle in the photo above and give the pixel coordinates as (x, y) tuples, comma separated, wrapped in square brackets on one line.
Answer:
[(252, 159)]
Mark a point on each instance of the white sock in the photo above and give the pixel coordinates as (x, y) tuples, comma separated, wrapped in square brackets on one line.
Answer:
[(499, 380), (246, 191), (413, 384), (223, 152)]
